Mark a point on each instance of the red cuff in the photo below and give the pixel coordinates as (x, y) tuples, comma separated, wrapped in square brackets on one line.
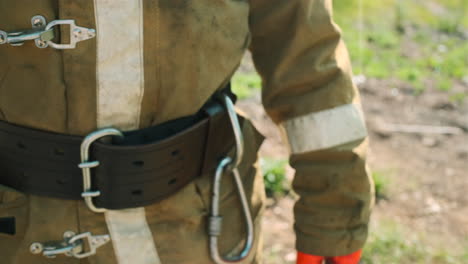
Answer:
[(303, 258), (353, 258), (348, 259)]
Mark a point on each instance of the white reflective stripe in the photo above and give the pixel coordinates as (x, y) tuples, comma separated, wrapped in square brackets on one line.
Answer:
[(130, 236), (120, 87), (120, 72), (325, 129)]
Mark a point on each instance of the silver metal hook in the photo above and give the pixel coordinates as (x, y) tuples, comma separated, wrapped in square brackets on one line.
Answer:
[(236, 129), (215, 220)]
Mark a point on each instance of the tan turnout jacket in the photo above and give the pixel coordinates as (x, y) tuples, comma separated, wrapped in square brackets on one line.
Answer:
[(156, 60)]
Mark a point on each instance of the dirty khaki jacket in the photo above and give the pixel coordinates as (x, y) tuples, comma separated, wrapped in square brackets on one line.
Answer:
[(157, 60)]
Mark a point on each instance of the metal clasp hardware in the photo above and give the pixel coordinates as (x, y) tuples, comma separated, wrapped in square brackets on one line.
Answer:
[(215, 220), (77, 34), (71, 246), (43, 33), (86, 165)]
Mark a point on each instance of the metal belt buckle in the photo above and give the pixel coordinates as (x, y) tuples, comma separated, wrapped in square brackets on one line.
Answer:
[(215, 220), (86, 166), (43, 33)]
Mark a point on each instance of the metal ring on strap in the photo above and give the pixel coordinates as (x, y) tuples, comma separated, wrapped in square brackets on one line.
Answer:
[(215, 220)]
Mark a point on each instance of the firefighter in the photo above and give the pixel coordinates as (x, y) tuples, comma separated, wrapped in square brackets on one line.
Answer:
[(150, 78)]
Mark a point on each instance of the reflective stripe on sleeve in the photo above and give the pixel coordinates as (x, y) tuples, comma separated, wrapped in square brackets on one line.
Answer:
[(120, 88), (325, 129)]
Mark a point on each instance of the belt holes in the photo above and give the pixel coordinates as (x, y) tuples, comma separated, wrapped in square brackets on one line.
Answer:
[(59, 152), (175, 152), (137, 192), (173, 181), (139, 163), (20, 145)]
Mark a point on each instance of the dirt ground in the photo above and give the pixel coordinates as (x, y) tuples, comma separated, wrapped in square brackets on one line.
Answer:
[(424, 171)]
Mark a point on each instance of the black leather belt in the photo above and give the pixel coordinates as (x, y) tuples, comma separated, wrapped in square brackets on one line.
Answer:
[(144, 167)]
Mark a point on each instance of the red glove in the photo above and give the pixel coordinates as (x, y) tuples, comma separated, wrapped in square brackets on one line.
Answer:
[(353, 258), (303, 258)]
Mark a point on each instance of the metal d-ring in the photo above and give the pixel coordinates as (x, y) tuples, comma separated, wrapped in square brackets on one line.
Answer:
[(215, 220), (86, 165)]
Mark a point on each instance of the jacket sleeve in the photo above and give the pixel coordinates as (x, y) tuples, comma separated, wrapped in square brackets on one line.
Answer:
[(308, 92)]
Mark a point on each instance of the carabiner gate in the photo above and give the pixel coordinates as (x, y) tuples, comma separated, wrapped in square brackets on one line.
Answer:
[(215, 220)]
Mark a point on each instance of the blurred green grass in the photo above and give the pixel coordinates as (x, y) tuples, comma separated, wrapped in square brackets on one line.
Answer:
[(390, 243), (245, 84), (274, 176), (381, 184), (420, 42)]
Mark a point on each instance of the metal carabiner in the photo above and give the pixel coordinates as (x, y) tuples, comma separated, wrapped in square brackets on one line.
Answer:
[(215, 220)]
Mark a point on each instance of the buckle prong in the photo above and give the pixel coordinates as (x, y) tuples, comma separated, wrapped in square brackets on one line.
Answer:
[(90, 194), (89, 165)]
